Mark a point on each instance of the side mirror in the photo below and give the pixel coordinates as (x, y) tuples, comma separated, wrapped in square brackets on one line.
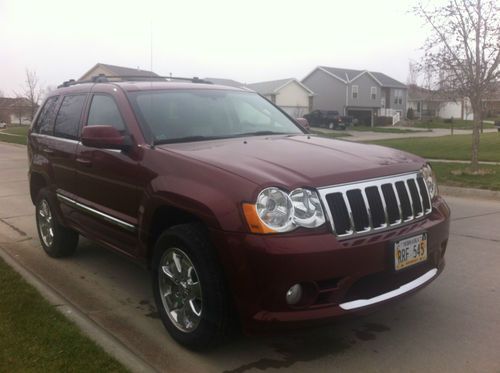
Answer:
[(303, 123), (104, 137)]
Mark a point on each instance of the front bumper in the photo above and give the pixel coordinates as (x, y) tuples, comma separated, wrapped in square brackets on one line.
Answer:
[(340, 277)]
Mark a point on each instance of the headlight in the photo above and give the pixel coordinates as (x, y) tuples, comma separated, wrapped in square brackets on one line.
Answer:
[(430, 180), (307, 208), (277, 211)]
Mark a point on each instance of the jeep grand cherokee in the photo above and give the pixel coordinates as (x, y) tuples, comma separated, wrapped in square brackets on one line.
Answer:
[(232, 205)]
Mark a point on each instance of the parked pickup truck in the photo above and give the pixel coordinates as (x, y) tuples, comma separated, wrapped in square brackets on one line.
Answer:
[(243, 218), (325, 118)]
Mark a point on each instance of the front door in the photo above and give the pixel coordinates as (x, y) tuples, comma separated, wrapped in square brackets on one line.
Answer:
[(108, 182)]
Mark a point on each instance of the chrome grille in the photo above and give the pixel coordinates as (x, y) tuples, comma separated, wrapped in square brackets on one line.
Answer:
[(373, 205)]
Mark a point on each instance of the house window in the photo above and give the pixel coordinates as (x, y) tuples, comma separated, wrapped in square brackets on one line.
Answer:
[(373, 93), (354, 91), (398, 96), (382, 102)]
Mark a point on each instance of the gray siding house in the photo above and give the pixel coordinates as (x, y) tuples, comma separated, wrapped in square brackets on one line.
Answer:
[(359, 93)]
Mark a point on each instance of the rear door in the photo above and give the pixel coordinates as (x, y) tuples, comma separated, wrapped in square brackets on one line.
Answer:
[(65, 141)]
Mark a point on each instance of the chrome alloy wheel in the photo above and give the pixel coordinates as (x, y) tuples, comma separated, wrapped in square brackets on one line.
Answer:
[(180, 290), (45, 223)]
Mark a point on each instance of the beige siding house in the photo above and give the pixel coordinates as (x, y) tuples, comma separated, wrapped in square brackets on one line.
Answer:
[(116, 71), (289, 94)]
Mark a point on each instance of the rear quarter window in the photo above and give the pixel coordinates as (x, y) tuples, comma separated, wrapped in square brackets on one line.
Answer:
[(45, 120)]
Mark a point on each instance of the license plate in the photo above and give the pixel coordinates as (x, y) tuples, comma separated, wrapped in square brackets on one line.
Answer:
[(410, 251)]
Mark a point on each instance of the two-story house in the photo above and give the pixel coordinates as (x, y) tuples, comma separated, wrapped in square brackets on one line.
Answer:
[(361, 94)]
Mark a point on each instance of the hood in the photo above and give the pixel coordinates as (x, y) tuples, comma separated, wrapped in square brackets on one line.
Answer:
[(293, 161)]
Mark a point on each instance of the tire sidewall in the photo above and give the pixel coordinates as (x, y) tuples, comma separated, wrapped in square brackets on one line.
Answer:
[(44, 195), (65, 240), (209, 320)]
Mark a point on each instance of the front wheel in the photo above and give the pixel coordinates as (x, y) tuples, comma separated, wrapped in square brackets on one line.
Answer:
[(189, 287)]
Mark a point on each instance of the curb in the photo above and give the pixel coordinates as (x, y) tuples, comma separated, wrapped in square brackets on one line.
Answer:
[(88, 327), (469, 192)]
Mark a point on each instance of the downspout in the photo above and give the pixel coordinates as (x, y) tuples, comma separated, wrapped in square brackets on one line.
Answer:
[(346, 99)]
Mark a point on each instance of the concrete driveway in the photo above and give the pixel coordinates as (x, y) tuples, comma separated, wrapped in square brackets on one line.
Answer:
[(451, 326)]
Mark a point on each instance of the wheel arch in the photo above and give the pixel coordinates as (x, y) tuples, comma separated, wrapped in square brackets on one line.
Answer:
[(37, 183)]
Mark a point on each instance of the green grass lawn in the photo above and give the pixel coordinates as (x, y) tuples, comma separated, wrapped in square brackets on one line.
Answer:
[(34, 337), (457, 147), (446, 177), (16, 135), (440, 123)]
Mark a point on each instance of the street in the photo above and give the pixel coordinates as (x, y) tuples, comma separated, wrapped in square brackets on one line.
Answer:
[(453, 325)]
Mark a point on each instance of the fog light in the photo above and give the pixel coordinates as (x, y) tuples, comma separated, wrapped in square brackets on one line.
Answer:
[(294, 294)]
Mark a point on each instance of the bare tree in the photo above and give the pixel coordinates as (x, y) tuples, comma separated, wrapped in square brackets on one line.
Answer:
[(463, 52), (413, 74), (32, 91)]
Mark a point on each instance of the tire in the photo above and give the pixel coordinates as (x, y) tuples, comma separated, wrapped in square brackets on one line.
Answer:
[(57, 241), (213, 324)]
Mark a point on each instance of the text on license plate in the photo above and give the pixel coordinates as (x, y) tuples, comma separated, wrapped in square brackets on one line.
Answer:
[(410, 251)]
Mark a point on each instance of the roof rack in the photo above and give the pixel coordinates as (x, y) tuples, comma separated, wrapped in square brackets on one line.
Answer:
[(102, 78)]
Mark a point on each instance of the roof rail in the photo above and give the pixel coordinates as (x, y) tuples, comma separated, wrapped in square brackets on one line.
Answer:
[(102, 78)]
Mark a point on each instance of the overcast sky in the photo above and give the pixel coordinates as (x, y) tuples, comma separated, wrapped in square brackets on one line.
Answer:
[(249, 41)]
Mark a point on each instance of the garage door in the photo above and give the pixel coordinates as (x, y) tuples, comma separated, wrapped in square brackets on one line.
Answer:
[(364, 117)]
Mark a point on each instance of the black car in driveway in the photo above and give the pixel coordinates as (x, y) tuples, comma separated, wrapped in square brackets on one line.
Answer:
[(325, 118)]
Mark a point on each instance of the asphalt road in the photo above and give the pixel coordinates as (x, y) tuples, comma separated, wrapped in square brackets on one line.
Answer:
[(453, 325)]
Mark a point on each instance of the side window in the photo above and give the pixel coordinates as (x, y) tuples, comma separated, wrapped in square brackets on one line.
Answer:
[(354, 91), (44, 122), (103, 111), (68, 118)]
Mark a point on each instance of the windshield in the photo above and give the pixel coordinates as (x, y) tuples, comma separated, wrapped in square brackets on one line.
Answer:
[(194, 115)]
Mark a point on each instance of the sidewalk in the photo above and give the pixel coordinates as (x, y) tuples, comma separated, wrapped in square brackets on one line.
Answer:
[(419, 132)]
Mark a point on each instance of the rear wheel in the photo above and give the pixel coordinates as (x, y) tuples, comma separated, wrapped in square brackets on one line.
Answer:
[(189, 288), (57, 241)]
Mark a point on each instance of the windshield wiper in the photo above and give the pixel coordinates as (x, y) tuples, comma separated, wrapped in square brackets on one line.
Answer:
[(186, 139), (204, 138), (259, 133)]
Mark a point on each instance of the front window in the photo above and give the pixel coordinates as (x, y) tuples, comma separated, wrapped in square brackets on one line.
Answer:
[(398, 96), (354, 91), (195, 115)]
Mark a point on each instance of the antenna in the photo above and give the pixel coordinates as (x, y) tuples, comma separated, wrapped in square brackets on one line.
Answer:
[(151, 46)]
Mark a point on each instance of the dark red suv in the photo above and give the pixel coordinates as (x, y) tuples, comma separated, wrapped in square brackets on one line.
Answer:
[(240, 214)]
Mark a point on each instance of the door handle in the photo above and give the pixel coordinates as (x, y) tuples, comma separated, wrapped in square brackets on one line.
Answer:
[(48, 151), (84, 162)]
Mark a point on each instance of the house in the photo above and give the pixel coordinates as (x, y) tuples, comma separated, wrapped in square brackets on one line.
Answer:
[(226, 82), (492, 102), (289, 94), (16, 111), (361, 94), (112, 70), (428, 103)]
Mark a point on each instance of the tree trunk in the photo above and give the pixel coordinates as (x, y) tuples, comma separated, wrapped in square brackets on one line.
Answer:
[(475, 139)]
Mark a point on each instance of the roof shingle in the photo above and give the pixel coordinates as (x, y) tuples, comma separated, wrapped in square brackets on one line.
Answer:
[(349, 74)]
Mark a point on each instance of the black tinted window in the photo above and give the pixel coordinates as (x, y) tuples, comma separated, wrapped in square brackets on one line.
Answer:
[(44, 122), (68, 117), (103, 111)]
